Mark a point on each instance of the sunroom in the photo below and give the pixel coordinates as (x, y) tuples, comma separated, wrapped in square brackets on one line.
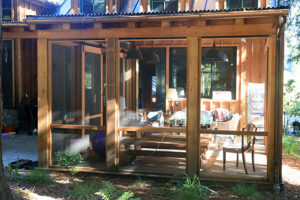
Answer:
[(163, 94)]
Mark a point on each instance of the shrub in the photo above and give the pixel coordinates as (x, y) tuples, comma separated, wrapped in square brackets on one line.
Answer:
[(38, 176), (290, 145), (84, 191), (191, 189), (67, 160), (246, 192), (109, 192)]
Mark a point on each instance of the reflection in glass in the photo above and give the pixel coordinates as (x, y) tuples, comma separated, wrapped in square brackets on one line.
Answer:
[(72, 141)]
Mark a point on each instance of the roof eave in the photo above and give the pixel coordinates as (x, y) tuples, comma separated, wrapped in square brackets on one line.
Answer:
[(152, 16)]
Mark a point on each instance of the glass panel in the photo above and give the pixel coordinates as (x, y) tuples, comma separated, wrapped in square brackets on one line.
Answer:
[(7, 74), (6, 9), (250, 3), (91, 146), (66, 86), (237, 4), (93, 6), (164, 5), (178, 68), (218, 76), (147, 104), (92, 88), (76, 95), (233, 96)]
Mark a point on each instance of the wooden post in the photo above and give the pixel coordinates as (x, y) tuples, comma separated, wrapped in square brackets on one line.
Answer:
[(261, 3), (280, 112), (271, 108), (43, 125), (193, 105), (75, 6), (112, 71), (18, 69)]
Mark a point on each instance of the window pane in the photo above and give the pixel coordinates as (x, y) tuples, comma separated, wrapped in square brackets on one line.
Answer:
[(218, 75), (164, 5), (235, 4), (66, 86), (93, 6), (92, 88), (178, 70), (250, 3), (6, 8)]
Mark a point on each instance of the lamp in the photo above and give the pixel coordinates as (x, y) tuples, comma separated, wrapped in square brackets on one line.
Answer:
[(172, 94), (134, 53), (214, 54), (152, 57)]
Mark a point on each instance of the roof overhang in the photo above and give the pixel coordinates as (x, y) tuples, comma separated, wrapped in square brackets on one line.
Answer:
[(125, 17)]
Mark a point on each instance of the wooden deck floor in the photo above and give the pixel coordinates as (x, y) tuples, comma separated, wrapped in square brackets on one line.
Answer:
[(212, 167)]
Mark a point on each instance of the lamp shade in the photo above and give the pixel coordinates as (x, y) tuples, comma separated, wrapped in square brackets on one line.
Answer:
[(134, 53), (216, 55), (172, 93), (152, 57)]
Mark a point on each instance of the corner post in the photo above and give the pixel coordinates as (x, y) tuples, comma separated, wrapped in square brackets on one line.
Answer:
[(193, 105), (112, 78), (43, 123), (271, 120)]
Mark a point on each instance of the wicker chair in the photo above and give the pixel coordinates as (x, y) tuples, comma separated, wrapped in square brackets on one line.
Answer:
[(242, 148)]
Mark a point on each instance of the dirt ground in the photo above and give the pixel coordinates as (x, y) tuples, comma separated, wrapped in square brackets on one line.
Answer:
[(149, 188)]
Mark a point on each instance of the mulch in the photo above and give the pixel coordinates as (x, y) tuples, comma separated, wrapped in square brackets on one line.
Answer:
[(151, 189)]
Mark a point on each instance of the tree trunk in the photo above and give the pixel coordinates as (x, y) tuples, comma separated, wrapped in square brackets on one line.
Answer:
[(5, 192)]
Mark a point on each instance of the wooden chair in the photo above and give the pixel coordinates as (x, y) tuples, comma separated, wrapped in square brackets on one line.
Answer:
[(243, 148)]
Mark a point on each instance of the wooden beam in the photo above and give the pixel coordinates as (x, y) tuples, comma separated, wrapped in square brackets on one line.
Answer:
[(181, 5), (112, 64), (280, 112), (221, 5), (43, 125), (193, 105), (165, 24), (87, 127), (65, 26), (181, 31), (32, 27), (261, 3), (98, 25), (271, 108), (49, 75), (18, 69), (239, 21)]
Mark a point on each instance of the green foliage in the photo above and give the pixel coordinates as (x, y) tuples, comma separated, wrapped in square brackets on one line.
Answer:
[(67, 160), (292, 31), (13, 174), (140, 183), (246, 191), (290, 145), (9, 171), (109, 192), (291, 100), (83, 191), (39, 176), (191, 189)]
